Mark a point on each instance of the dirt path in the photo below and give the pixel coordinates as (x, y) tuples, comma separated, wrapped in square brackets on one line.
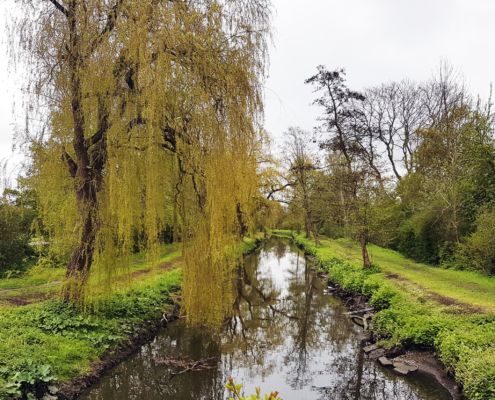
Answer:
[(26, 295), (454, 306)]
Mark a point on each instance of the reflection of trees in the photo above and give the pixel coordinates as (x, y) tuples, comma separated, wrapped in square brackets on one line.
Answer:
[(141, 378), (259, 315), (287, 328)]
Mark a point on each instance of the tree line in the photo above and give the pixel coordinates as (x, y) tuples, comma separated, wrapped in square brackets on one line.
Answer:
[(406, 165)]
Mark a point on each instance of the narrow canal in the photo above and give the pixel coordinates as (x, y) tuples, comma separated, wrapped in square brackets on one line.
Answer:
[(287, 335)]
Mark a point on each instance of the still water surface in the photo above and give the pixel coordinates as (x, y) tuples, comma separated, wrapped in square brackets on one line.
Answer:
[(287, 335)]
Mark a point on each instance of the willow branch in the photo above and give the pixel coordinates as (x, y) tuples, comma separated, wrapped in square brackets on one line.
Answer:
[(109, 26)]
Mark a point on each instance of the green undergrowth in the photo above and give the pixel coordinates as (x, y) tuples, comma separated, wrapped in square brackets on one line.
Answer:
[(281, 233), (250, 243), (462, 335), (49, 342)]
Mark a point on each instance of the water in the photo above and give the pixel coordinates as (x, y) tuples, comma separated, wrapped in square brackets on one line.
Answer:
[(288, 335)]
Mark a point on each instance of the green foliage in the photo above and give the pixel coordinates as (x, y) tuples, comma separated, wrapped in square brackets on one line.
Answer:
[(49, 342), (446, 208), (31, 380), (470, 353), (479, 249), (16, 217), (382, 296), (464, 341), (235, 391)]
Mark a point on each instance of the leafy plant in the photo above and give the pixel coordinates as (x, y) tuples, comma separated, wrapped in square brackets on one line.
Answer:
[(235, 391), (31, 381)]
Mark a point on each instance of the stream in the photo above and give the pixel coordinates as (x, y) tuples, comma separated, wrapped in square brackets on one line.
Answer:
[(287, 334)]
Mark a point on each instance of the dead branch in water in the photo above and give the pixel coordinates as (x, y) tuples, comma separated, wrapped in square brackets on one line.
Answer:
[(184, 365)]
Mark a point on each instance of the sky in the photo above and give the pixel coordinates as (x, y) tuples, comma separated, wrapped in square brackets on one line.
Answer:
[(376, 41)]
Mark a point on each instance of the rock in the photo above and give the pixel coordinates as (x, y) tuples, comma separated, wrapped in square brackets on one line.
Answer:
[(376, 354), (365, 337), (413, 368), (403, 368), (370, 348), (384, 361)]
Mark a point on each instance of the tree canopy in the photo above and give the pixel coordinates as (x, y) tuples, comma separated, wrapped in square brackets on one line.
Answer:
[(153, 112)]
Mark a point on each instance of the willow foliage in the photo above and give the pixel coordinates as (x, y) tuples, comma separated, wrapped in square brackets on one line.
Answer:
[(154, 109)]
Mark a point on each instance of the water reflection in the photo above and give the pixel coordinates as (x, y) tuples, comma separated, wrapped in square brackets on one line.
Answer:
[(284, 334)]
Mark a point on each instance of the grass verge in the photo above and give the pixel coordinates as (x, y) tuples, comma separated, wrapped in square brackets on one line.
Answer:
[(49, 342), (451, 312)]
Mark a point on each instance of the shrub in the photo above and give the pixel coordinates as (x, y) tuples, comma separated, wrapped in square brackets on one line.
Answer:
[(14, 237), (382, 297), (479, 249)]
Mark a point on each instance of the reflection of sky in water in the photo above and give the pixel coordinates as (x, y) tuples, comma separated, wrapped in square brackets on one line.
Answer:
[(279, 270), (286, 336)]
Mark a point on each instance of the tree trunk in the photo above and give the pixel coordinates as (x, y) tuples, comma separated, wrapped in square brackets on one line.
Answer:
[(317, 237), (81, 259), (243, 228), (306, 227), (84, 182), (364, 250)]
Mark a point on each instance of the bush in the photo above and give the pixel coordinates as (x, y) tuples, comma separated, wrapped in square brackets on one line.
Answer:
[(14, 237), (479, 249), (477, 373), (382, 297)]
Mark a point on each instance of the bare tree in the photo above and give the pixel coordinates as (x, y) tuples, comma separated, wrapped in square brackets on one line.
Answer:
[(301, 168), (345, 135)]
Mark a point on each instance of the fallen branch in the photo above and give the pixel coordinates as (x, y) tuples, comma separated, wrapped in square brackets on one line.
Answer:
[(183, 366), (364, 310)]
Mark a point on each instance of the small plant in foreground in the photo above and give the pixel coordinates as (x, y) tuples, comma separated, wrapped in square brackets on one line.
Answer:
[(235, 392)]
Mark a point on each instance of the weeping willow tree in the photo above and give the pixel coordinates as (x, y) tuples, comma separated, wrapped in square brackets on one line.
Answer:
[(153, 111)]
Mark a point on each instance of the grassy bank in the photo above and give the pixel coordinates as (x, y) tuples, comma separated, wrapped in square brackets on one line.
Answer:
[(452, 312), (42, 283), (44, 342), (48, 342)]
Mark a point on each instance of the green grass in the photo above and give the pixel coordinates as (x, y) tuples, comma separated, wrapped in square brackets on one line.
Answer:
[(48, 342), (466, 287), (41, 283), (449, 311)]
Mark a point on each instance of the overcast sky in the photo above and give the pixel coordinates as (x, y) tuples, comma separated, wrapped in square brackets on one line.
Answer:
[(374, 40)]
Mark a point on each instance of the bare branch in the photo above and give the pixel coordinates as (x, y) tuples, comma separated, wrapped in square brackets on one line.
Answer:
[(279, 189), (110, 24), (60, 7), (71, 164)]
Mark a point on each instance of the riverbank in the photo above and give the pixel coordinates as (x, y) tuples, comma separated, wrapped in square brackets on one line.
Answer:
[(418, 306), (47, 346)]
